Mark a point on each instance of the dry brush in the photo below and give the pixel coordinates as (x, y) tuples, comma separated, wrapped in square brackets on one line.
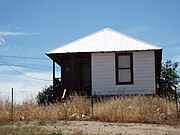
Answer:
[(144, 109)]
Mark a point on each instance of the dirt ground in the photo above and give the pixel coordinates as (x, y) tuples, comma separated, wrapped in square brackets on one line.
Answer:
[(104, 128)]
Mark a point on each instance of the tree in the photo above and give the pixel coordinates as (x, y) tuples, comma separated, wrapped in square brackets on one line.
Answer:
[(169, 79), (45, 96)]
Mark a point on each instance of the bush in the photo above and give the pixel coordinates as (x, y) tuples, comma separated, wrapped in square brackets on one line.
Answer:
[(169, 79), (45, 96)]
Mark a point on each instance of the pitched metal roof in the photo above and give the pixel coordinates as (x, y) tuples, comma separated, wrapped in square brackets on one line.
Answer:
[(105, 40)]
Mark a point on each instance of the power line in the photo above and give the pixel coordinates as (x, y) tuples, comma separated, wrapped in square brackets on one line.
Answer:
[(23, 73), (29, 65), (30, 61), (27, 62), (25, 57), (32, 66)]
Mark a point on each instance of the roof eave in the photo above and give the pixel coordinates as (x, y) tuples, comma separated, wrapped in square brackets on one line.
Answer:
[(55, 53)]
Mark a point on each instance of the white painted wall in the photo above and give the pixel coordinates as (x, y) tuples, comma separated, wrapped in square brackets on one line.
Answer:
[(104, 79)]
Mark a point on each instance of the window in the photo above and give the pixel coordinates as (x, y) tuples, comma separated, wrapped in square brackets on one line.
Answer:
[(124, 68)]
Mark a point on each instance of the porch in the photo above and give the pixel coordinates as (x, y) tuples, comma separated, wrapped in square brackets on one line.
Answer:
[(75, 74)]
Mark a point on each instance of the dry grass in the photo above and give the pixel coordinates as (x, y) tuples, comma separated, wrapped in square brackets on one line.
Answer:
[(116, 109), (59, 111), (53, 112), (5, 110), (141, 109)]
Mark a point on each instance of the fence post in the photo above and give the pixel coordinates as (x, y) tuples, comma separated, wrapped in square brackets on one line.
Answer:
[(176, 98), (177, 103), (12, 105), (92, 105)]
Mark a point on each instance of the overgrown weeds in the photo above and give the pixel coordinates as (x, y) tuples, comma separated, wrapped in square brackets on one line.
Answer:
[(143, 109)]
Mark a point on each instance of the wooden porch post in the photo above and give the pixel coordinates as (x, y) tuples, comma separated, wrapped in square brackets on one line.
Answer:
[(72, 71), (53, 75)]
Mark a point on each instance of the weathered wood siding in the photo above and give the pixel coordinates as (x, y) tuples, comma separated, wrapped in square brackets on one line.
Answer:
[(104, 79)]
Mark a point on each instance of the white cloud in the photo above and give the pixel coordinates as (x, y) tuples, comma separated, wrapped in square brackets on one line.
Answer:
[(9, 33), (6, 33), (2, 40)]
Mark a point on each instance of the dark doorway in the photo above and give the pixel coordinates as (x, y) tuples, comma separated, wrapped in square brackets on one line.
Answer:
[(86, 78)]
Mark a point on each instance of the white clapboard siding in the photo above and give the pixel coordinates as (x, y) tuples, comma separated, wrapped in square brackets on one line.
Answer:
[(104, 79)]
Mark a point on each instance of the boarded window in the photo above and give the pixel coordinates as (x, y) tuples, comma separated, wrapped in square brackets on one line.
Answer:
[(124, 68)]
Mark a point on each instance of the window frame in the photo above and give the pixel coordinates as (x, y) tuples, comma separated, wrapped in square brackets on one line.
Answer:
[(117, 68)]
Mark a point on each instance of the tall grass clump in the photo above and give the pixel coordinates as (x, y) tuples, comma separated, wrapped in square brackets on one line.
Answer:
[(145, 109), (5, 110), (74, 106), (77, 104)]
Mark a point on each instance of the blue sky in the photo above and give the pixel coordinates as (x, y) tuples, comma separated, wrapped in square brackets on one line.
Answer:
[(32, 27)]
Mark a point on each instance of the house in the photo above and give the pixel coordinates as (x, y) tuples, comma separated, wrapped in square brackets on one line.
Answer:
[(107, 62)]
